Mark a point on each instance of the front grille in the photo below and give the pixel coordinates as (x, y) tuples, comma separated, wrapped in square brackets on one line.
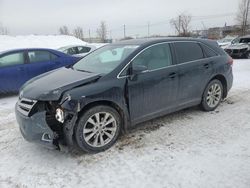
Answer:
[(25, 106), (236, 51), (243, 50)]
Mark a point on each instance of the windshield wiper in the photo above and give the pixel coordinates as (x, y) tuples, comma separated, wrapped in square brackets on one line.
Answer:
[(82, 70)]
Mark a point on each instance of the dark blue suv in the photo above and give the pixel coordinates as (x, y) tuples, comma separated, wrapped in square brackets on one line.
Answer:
[(18, 66)]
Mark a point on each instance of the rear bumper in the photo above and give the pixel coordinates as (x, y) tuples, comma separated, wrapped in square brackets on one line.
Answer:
[(229, 79), (35, 129)]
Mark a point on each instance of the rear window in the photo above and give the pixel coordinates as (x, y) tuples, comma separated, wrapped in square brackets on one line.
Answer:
[(188, 51), (12, 59)]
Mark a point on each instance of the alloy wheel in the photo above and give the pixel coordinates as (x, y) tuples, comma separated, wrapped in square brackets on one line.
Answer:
[(99, 129), (214, 95)]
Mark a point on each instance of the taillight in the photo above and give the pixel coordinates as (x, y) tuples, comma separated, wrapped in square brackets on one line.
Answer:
[(230, 61)]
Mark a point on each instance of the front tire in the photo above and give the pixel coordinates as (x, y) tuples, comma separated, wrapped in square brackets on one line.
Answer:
[(98, 129), (212, 95)]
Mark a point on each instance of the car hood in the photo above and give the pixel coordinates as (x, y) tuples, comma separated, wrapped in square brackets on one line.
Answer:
[(224, 43), (50, 86), (238, 46)]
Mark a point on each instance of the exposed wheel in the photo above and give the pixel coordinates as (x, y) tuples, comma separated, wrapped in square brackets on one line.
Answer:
[(212, 95), (98, 129)]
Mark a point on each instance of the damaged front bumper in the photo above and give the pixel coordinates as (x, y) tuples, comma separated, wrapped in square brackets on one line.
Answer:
[(35, 129)]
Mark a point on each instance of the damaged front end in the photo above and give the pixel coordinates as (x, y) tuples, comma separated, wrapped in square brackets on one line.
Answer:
[(45, 123)]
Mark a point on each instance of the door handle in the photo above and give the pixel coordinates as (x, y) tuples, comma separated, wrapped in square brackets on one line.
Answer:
[(172, 75), (206, 66)]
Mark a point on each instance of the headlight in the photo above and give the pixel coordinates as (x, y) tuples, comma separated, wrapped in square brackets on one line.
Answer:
[(59, 115)]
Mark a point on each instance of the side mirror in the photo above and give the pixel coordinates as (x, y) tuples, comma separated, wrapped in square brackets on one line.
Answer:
[(137, 69)]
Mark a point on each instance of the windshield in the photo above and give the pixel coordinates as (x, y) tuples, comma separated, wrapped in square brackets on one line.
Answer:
[(225, 40), (105, 59)]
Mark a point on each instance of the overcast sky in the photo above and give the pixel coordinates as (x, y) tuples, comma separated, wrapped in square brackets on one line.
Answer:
[(23, 17)]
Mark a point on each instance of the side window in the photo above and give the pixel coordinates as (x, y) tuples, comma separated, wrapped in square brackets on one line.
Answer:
[(155, 57), (38, 56), (53, 56), (188, 51), (12, 59), (82, 49), (208, 51), (72, 51)]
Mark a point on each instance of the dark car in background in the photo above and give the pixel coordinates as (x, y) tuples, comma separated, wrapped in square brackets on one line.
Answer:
[(120, 85), (240, 48), (18, 66)]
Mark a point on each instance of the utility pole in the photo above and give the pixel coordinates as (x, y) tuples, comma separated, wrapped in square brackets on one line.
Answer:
[(148, 29), (89, 36), (124, 31), (247, 11)]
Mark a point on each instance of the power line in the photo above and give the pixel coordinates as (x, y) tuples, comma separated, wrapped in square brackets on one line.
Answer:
[(148, 25)]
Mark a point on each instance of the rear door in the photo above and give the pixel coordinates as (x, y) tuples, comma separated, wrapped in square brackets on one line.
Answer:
[(153, 91), (13, 72), (195, 70)]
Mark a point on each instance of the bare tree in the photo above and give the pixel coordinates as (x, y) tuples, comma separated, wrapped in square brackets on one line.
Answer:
[(78, 33), (3, 30), (182, 24), (63, 30), (102, 31), (243, 15)]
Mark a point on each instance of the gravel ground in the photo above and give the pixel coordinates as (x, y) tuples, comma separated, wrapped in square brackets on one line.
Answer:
[(186, 149)]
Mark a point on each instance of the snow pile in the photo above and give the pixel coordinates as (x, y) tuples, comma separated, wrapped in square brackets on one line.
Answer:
[(38, 41)]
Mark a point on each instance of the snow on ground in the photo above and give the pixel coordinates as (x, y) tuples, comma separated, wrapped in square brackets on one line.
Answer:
[(188, 149), (37, 41)]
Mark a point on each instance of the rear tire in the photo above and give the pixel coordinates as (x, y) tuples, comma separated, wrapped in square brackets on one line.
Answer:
[(98, 129), (212, 95)]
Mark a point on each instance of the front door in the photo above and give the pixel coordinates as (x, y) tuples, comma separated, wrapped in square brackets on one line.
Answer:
[(153, 91)]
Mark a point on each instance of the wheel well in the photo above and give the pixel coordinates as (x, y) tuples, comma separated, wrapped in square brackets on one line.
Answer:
[(106, 103), (223, 82)]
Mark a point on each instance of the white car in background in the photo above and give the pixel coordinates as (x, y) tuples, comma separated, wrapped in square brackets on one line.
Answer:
[(77, 50), (225, 42)]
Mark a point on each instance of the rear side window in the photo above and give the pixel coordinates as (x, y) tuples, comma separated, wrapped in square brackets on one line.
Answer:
[(208, 51), (39, 56), (155, 57), (12, 59), (82, 49), (188, 51)]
